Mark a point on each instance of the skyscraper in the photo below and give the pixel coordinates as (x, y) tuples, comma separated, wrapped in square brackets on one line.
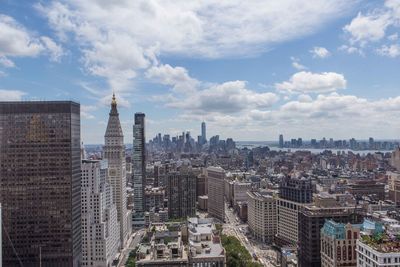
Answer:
[(139, 163), (216, 205), (181, 193), (100, 228), (40, 190), (281, 143), (203, 132), (114, 152)]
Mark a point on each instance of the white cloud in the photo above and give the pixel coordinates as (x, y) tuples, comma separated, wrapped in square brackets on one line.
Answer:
[(119, 39), (393, 37), (55, 50), (177, 77), (11, 95), (308, 82), (17, 41), (351, 50), (226, 98), (320, 52), (86, 111), (365, 28), (7, 63), (296, 64), (371, 28), (389, 51), (304, 98)]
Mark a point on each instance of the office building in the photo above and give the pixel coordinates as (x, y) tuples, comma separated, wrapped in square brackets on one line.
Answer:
[(114, 153), (40, 189), (295, 189), (366, 187), (311, 219), (203, 133), (293, 194), (394, 186), (338, 244), (288, 220), (216, 205), (281, 141), (100, 228), (181, 193), (139, 163), (395, 159), (262, 215)]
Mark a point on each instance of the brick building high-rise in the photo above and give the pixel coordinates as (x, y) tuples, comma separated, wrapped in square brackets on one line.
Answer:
[(181, 194), (40, 189), (216, 205)]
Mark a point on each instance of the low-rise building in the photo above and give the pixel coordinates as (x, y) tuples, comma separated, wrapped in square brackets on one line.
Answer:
[(376, 247), (165, 248), (205, 248)]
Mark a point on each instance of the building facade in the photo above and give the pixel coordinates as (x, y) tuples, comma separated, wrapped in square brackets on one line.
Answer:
[(40, 190), (311, 220), (216, 205), (338, 244), (100, 228), (139, 162), (293, 194), (262, 216), (181, 193), (114, 153)]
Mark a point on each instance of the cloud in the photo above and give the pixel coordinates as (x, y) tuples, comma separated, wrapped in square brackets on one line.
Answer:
[(226, 98), (370, 29), (177, 77), (85, 111), (366, 28), (11, 95), (296, 64), (389, 51), (55, 50), (120, 39), (17, 41), (308, 82), (7, 63), (320, 52)]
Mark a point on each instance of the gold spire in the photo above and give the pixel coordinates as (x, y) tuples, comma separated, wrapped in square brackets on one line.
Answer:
[(113, 102)]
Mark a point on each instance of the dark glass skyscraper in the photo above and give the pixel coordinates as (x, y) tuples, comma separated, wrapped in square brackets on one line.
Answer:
[(40, 170), (203, 132), (139, 163)]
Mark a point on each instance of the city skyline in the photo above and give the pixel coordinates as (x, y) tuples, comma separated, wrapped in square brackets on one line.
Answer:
[(330, 73)]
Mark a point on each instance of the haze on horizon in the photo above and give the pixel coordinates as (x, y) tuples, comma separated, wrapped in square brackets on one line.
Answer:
[(331, 71)]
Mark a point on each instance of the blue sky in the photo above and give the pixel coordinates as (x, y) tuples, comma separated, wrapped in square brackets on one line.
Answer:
[(250, 69)]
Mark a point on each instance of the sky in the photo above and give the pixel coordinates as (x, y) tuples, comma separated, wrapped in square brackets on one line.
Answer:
[(250, 69)]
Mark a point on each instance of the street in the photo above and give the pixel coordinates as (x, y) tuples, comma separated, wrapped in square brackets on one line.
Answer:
[(133, 242), (234, 227)]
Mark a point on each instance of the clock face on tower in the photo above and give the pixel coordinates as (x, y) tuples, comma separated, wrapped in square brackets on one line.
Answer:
[(112, 172)]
